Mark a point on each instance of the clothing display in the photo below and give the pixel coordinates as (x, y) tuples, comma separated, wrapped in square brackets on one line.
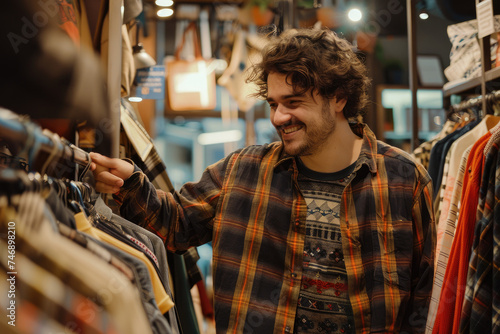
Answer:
[(456, 270), (465, 53), (236, 297), (82, 271), (459, 203), (439, 152), (423, 153), (114, 270), (480, 303), (138, 146)]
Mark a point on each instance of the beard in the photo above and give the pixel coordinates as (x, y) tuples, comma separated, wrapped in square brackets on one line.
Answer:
[(315, 134)]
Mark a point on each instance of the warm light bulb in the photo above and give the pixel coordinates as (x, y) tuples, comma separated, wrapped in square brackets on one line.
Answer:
[(164, 3), (354, 15), (165, 12)]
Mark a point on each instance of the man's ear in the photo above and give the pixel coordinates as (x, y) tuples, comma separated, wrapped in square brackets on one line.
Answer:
[(339, 105)]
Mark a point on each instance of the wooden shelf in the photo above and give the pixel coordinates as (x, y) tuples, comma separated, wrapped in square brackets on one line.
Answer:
[(472, 85), (493, 74)]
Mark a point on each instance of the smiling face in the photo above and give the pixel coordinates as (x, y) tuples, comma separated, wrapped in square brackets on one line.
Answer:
[(305, 122)]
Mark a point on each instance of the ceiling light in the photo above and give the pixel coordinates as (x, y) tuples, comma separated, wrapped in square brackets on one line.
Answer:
[(165, 12), (164, 3), (355, 14), (421, 7), (423, 15)]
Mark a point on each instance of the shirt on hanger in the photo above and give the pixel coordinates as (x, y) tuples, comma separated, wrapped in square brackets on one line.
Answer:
[(153, 242), (445, 243), (57, 300), (438, 155), (162, 299), (456, 151), (478, 313), (452, 292), (450, 171), (422, 153), (83, 271)]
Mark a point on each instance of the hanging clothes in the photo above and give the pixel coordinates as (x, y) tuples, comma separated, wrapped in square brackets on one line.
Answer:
[(442, 201), (479, 313), (139, 147), (423, 152), (83, 271), (453, 289), (68, 213), (154, 243), (439, 151), (162, 299), (457, 203)]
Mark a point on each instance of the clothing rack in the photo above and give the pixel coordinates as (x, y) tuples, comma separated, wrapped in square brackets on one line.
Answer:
[(31, 137), (17, 181), (474, 102)]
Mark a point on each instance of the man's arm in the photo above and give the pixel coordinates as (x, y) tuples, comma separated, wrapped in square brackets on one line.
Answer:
[(424, 244), (182, 219)]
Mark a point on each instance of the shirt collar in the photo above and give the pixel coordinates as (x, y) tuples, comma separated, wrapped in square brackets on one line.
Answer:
[(367, 155)]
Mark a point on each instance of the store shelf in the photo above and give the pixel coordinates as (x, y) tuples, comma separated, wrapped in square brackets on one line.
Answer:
[(493, 74), (472, 84)]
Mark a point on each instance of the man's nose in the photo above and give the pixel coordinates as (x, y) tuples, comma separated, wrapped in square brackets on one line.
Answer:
[(281, 115)]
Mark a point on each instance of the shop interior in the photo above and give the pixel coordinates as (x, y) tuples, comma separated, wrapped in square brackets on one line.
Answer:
[(163, 83), (380, 36)]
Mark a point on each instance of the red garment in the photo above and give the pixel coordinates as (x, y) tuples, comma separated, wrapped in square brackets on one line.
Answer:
[(455, 279), (206, 303)]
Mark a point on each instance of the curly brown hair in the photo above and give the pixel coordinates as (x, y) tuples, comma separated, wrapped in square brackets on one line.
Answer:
[(315, 58)]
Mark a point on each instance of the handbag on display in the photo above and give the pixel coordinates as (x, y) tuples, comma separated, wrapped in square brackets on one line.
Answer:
[(190, 83)]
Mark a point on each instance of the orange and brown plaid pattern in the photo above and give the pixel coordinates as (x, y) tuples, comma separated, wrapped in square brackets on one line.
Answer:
[(251, 208)]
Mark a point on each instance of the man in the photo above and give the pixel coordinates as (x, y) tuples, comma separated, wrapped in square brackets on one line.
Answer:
[(327, 231)]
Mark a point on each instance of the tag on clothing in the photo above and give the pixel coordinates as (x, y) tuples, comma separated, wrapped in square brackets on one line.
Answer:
[(139, 140)]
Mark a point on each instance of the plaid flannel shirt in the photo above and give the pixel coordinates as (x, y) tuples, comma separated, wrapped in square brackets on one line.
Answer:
[(251, 208)]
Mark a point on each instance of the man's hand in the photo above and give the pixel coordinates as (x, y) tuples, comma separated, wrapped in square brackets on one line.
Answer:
[(109, 173)]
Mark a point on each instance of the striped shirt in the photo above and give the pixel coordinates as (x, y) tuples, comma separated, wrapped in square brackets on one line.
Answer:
[(444, 243), (250, 206)]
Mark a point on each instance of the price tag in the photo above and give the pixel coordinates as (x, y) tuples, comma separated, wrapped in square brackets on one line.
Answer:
[(485, 22)]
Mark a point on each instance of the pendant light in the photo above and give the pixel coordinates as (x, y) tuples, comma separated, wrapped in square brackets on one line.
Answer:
[(141, 58)]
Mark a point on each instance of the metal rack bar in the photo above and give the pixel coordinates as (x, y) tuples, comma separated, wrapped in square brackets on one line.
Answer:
[(479, 101), (16, 131), (412, 57)]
